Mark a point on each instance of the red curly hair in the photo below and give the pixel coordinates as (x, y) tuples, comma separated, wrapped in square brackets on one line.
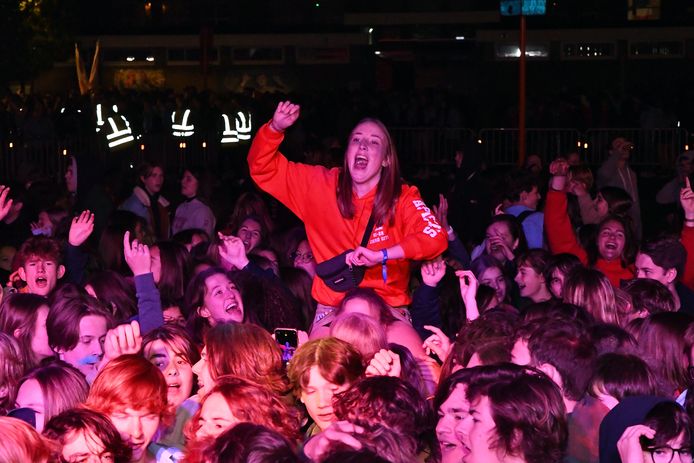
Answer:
[(254, 403)]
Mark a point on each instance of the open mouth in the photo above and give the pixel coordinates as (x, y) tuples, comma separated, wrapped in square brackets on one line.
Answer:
[(231, 307), (174, 386), (361, 161), (611, 246), (41, 282)]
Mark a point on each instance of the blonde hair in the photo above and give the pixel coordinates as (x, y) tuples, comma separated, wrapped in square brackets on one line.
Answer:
[(361, 331), (21, 443), (592, 290), (11, 369)]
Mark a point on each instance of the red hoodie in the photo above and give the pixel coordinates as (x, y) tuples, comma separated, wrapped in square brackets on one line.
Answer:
[(310, 192), (561, 238)]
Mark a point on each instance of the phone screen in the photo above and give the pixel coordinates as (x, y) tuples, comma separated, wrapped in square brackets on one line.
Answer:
[(288, 341)]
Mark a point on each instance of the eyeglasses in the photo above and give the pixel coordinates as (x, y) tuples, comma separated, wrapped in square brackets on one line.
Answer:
[(665, 454), (297, 256)]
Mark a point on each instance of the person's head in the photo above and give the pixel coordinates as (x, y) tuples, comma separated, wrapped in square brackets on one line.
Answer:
[(171, 349), (590, 289), (85, 436), (582, 175), (385, 401), (614, 241), (11, 370), (51, 222), (252, 232), (51, 389), (370, 162), (530, 277), (249, 442), (235, 400), (39, 259), (608, 338), (71, 176), (21, 443), (361, 331), (367, 302), (621, 375), (24, 317), (171, 269), (558, 266), (622, 147), (522, 418), (214, 297), (131, 392), (319, 370), (191, 237), (77, 327), (299, 284), (304, 259), (151, 177), (490, 272), (661, 259), (565, 353), (114, 291), (673, 432), (661, 343), (486, 340), (504, 231), (270, 254), (243, 350), (647, 296), (250, 203), (522, 188)]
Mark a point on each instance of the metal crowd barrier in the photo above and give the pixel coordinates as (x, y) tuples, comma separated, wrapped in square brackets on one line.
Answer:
[(499, 146)]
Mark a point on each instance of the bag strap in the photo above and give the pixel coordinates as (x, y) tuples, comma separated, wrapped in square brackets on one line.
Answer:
[(367, 232)]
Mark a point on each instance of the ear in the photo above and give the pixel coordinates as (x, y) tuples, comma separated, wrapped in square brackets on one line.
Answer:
[(17, 333), (142, 178), (22, 274), (203, 312), (515, 243), (552, 372), (523, 195), (671, 275), (61, 271)]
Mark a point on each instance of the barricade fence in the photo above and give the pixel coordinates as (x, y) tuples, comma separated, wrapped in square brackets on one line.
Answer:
[(415, 145)]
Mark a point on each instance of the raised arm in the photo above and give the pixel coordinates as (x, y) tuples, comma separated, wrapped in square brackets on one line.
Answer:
[(560, 234)]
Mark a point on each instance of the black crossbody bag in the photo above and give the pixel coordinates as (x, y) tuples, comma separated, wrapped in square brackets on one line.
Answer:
[(337, 274)]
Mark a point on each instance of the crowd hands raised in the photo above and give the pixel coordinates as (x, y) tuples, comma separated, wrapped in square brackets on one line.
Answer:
[(154, 342)]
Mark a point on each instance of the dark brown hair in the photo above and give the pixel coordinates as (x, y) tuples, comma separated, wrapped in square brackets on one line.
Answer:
[(529, 417), (63, 322), (622, 375), (61, 426)]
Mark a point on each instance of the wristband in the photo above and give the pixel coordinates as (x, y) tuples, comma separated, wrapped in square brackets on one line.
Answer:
[(384, 269)]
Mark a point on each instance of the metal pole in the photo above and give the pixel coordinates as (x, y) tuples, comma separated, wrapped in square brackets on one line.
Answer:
[(521, 92)]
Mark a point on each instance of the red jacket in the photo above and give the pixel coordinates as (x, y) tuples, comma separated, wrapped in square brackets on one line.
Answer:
[(562, 238), (687, 238), (310, 192)]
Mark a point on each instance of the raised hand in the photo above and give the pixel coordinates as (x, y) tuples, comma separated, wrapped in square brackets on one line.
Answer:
[(441, 211), (5, 204), (82, 226), (629, 445), (433, 271), (558, 168), (232, 250), (137, 256), (687, 200), (285, 115), (437, 343), (122, 340), (384, 363), (468, 291), (342, 431)]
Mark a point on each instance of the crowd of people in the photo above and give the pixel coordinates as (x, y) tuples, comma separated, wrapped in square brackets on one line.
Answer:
[(545, 327)]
